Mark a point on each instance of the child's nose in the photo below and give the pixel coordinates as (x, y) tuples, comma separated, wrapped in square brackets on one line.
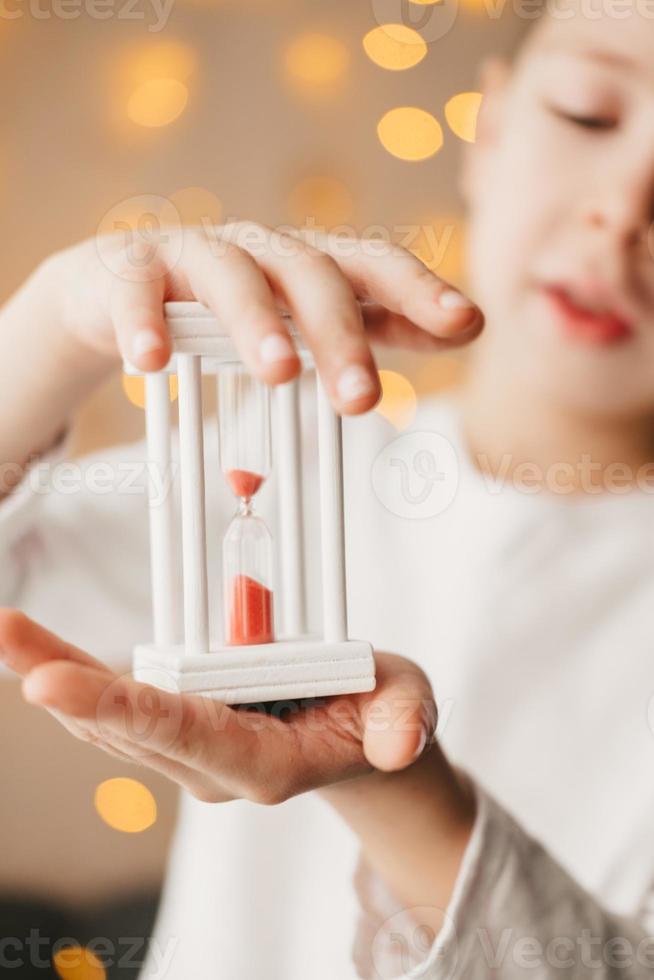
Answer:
[(625, 210)]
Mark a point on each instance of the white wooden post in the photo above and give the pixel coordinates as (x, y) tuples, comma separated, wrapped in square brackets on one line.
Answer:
[(194, 536), (288, 463), (161, 512), (332, 527)]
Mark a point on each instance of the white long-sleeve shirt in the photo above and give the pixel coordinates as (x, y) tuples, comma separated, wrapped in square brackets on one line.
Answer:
[(531, 613)]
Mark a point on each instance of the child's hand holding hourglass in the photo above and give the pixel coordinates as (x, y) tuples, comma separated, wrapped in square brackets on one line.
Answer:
[(219, 752), (79, 314), (367, 753), (88, 306)]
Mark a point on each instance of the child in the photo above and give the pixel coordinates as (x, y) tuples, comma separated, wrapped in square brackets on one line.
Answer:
[(527, 600)]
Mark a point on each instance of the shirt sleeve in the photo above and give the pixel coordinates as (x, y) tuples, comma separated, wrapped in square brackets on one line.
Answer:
[(74, 549), (20, 512), (515, 913)]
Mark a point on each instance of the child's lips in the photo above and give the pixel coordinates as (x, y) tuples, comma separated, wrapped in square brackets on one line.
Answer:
[(588, 321)]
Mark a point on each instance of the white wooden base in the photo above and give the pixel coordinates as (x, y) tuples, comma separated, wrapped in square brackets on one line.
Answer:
[(286, 669)]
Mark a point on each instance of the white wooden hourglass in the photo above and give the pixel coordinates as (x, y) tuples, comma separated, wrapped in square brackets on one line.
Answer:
[(266, 654)]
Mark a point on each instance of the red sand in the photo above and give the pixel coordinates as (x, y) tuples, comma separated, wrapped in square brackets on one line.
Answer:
[(250, 612), (243, 482)]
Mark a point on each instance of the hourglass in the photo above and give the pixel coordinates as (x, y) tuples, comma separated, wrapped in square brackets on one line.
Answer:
[(265, 653), (244, 414)]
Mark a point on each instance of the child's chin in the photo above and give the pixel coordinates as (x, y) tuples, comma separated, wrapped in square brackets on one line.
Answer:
[(599, 380), (600, 390)]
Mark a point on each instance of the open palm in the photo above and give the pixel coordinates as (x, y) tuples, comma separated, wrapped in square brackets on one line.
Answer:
[(263, 753)]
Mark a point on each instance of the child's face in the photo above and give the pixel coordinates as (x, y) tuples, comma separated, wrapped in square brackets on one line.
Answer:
[(561, 188)]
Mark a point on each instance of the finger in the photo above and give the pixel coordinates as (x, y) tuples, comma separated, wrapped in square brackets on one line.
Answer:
[(394, 330), (137, 312), (235, 288), (201, 734), (325, 310), (68, 691), (397, 280), (399, 715), (64, 686), (24, 645), (83, 733)]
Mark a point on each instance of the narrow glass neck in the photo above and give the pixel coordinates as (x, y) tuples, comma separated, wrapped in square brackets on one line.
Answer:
[(245, 508)]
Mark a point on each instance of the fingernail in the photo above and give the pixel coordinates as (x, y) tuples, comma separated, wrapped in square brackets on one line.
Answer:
[(451, 299), (355, 382), (30, 690), (424, 735), (145, 342), (276, 347)]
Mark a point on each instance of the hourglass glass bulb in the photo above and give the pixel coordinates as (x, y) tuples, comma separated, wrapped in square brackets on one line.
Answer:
[(247, 577), (244, 409), (244, 412)]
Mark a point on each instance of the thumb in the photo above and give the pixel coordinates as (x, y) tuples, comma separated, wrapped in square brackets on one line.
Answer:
[(399, 716)]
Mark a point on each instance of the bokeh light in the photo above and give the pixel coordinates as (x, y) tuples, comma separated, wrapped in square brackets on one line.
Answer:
[(153, 84), (440, 243), (475, 6), (260, 8), (316, 64), (394, 46), (197, 206), (140, 217), (398, 402), (461, 113), (161, 59), (126, 805), (134, 388), (157, 102), (321, 200), (410, 133), (78, 963), (439, 373)]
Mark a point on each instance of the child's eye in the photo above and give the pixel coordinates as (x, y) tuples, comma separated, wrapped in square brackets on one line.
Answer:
[(594, 122)]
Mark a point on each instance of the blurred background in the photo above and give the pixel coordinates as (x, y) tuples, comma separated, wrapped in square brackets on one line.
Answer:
[(343, 116)]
